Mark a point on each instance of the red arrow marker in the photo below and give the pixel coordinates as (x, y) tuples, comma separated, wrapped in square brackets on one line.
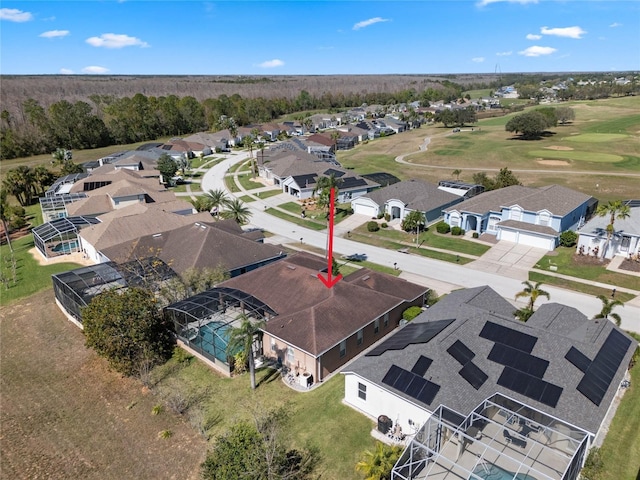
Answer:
[(329, 282)]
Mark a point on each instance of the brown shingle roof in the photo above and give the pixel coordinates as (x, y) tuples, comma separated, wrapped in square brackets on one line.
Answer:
[(311, 316)]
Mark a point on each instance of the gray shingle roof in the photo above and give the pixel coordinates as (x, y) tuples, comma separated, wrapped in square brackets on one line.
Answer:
[(556, 328), (416, 195), (631, 225)]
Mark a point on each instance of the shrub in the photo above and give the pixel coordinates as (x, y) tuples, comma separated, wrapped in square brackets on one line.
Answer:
[(380, 215), (165, 434), (373, 226), (568, 238), (456, 231), (411, 313), (475, 235), (442, 227), (387, 217), (384, 225)]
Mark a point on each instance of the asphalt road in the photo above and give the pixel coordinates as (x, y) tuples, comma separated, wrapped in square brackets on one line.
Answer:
[(434, 273)]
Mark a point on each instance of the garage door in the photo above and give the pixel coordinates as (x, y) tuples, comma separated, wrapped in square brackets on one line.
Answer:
[(535, 241), (508, 235), (362, 209)]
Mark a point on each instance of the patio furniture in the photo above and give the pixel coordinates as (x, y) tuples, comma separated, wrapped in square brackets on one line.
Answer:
[(518, 442)]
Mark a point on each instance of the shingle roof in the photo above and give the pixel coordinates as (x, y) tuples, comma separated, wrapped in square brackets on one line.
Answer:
[(630, 226), (415, 194), (313, 317), (556, 199), (555, 328), (203, 245), (528, 227)]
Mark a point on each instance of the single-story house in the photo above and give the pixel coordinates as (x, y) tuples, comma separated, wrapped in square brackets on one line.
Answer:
[(523, 215), (624, 242), (559, 371), (407, 196), (315, 329), (201, 245)]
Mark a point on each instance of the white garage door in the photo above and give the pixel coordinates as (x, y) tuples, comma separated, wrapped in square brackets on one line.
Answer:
[(528, 239), (508, 235), (364, 209)]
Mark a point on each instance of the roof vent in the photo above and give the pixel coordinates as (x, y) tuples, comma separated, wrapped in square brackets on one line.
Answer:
[(366, 277), (157, 235), (291, 267)]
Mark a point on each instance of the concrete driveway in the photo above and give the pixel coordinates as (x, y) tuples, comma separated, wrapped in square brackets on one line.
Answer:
[(509, 260)]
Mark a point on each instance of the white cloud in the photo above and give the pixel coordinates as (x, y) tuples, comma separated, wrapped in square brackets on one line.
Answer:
[(483, 3), (537, 51), (477, 59), (15, 15), (95, 70), (66, 71), (533, 36), (371, 21), (115, 40), (615, 25), (504, 54), (54, 34), (568, 32), (271, 63)]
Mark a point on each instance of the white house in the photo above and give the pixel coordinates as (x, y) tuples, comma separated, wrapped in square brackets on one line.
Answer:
[(624, 242)]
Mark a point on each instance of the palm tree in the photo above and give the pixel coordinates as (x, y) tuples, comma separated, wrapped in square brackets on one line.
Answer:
[(523, 314), (255, 133), (241, 339), (377, 465), (335, 135), (533, 292), (457, 173), (413, 221), (4, 216), (615, 209), (236, 210), (607, 309), (215, 199), (323, 191)]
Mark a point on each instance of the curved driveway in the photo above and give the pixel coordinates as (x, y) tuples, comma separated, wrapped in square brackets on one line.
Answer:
[(434, 273)]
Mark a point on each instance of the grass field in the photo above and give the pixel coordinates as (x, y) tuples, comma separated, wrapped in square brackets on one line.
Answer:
[(602, 143)]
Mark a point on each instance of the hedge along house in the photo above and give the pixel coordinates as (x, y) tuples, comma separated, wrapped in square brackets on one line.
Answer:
[(401, 198), (202, 323), (524, 215), (315, 329), (75, 289), (440, 376)]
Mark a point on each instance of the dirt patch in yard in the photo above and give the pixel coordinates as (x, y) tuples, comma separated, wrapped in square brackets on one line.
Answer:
[(66, 416), (556, 147)]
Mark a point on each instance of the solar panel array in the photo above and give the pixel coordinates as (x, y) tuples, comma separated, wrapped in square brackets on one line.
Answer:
[(508, 336), (519, 360), (469, 371), (411, 384), (600, 373), (530, 386), (578, 359), (422, 365), (411, 334)]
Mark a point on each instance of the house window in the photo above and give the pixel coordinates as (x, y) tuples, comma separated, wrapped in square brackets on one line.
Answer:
[(273, 345), (386, 320), (290, 354), (360, 336), (626, 242), (544, 219), (362, 391), (516, 214), (454, 220), (343, 348), (493, 221), (376, 325)]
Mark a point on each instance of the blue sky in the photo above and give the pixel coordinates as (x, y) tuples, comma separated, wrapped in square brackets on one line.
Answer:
[(298, 37)]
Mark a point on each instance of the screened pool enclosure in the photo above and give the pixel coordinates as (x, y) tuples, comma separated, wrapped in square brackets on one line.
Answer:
[(75, 289), (60, 236), (203, 321)]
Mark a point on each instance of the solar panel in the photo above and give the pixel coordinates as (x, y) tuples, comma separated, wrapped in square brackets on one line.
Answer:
[(578, 359), (412, 333), (460, 352), (472, 374), (508, 336), (600, 373), (422, 365), (530, 386), (411, 384), (510, 357)]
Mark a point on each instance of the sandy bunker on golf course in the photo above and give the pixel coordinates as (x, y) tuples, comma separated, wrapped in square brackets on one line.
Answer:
[(555, 163), (557, 147)]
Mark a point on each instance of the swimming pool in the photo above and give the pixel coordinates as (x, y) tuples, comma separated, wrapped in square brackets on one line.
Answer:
[(489, 471), (213, 338), (66, 247)]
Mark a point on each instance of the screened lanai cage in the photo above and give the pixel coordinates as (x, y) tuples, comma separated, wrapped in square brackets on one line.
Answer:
[(55, 206), (75, 289), (203, 321), (60, 236)]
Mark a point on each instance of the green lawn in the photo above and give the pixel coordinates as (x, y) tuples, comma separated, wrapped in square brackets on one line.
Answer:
[(576, 155), (231, 185), (566, 262), (247, 182), (578, 287), (269, 193), (30, 276), (303, 222)]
